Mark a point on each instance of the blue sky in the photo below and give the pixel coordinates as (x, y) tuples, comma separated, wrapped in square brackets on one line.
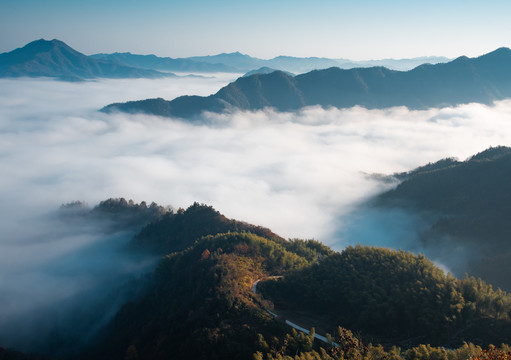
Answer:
[(363, 29)]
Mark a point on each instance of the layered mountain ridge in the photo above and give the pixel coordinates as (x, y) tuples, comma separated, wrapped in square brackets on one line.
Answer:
[(55, 59), (239, 63), (484, 79)]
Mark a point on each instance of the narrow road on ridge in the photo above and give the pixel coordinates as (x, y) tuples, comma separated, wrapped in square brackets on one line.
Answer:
[(293, 325)]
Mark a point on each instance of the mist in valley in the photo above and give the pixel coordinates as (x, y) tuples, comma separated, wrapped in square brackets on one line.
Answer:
[(307, 174)]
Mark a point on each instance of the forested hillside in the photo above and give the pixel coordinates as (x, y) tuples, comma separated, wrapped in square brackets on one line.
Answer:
[(115, 214), (470, 202), (200, 301), (395, 297), (201, 304), (177, 231)]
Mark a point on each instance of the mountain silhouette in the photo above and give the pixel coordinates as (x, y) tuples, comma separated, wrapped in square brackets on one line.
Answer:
[(56, 59), (263, 70), (301, 65), (393, 64), (236, 60), (164, 63), (464, 80), (240, 63)]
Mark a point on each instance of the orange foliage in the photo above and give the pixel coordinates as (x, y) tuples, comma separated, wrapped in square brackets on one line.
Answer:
[(493, 354)]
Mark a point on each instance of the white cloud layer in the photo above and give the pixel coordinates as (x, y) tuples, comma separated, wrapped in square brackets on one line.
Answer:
[(292, 172), (300, 174)]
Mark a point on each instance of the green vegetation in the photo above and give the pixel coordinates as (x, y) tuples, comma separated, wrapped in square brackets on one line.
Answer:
[(471, 201), (119, 214), (296, 346), (201, 302), (177, 231), (395, 297)]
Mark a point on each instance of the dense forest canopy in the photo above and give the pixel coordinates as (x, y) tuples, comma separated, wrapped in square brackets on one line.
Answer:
[(205, 290), (470, 204), (395, 297)]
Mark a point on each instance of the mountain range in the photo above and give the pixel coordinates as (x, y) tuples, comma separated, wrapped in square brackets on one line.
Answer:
[(43, 58), (239, 63), (483, 80), (165, 63)]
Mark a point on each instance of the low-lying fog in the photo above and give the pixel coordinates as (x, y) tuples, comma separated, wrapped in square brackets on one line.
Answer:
[(300, 174)]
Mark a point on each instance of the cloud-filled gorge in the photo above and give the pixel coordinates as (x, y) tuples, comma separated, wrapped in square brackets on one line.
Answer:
[(300, 174)]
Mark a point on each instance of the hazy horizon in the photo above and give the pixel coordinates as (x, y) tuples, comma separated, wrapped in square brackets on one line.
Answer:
[(236, 51), (364, 30)]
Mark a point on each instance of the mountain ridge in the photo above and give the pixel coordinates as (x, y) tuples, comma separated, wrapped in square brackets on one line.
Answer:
[(115, 65), (484, 79), (54, 58), (237, 62), (164, 63)]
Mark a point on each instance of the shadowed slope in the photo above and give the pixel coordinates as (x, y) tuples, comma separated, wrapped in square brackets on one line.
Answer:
[(56, 59), (483, 79)]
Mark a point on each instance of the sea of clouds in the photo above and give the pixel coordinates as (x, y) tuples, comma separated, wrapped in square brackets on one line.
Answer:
[(303, 174)]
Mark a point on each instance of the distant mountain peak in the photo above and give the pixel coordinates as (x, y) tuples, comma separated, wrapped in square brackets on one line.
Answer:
[(461, 59), (499, 53), (44, 41), (54, 42), (54, 58), (224, 54), (287, 57), (500, 50), (43, 45), (265, 70)]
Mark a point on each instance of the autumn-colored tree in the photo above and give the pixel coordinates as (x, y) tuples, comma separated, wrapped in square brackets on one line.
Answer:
[(492, 353)]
